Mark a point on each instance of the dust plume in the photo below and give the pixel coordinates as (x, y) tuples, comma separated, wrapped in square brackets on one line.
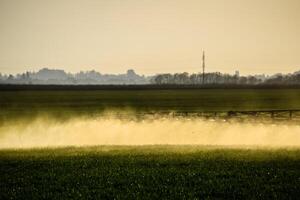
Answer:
[(47, 132)]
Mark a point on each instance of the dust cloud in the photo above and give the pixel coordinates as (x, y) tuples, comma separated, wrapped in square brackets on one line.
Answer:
[(47, 132)]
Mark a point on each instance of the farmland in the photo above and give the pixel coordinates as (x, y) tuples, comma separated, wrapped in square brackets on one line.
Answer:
[(145, 171), (87, 102), (150, 172)]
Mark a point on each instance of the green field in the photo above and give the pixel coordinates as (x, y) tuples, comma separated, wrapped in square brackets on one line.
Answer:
[(150, 172), (146, 172), (14, 103)]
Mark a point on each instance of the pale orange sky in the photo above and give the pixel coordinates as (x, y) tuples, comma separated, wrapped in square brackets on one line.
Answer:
[(111, 36)]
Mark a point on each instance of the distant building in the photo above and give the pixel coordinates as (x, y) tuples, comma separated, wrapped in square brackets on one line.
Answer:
[(51, 74), (131, 73)]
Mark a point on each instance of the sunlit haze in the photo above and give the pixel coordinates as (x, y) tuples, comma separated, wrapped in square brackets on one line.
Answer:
[(110, 36), (46, 132)]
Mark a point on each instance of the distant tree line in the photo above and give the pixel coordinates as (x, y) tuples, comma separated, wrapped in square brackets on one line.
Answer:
[(60, 77), (219, 78)]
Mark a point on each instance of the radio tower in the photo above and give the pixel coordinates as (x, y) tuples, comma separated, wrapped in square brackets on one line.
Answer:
[(203, 67)]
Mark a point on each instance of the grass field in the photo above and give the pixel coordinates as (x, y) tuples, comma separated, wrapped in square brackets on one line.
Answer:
[(14, 103), (150, 172)]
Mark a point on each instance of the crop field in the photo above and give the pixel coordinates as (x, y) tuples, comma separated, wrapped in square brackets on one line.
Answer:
[(87, 102), (150, 172), (54, 145)]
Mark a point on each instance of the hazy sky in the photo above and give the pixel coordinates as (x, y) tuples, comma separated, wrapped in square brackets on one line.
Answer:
[(110, 36)]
